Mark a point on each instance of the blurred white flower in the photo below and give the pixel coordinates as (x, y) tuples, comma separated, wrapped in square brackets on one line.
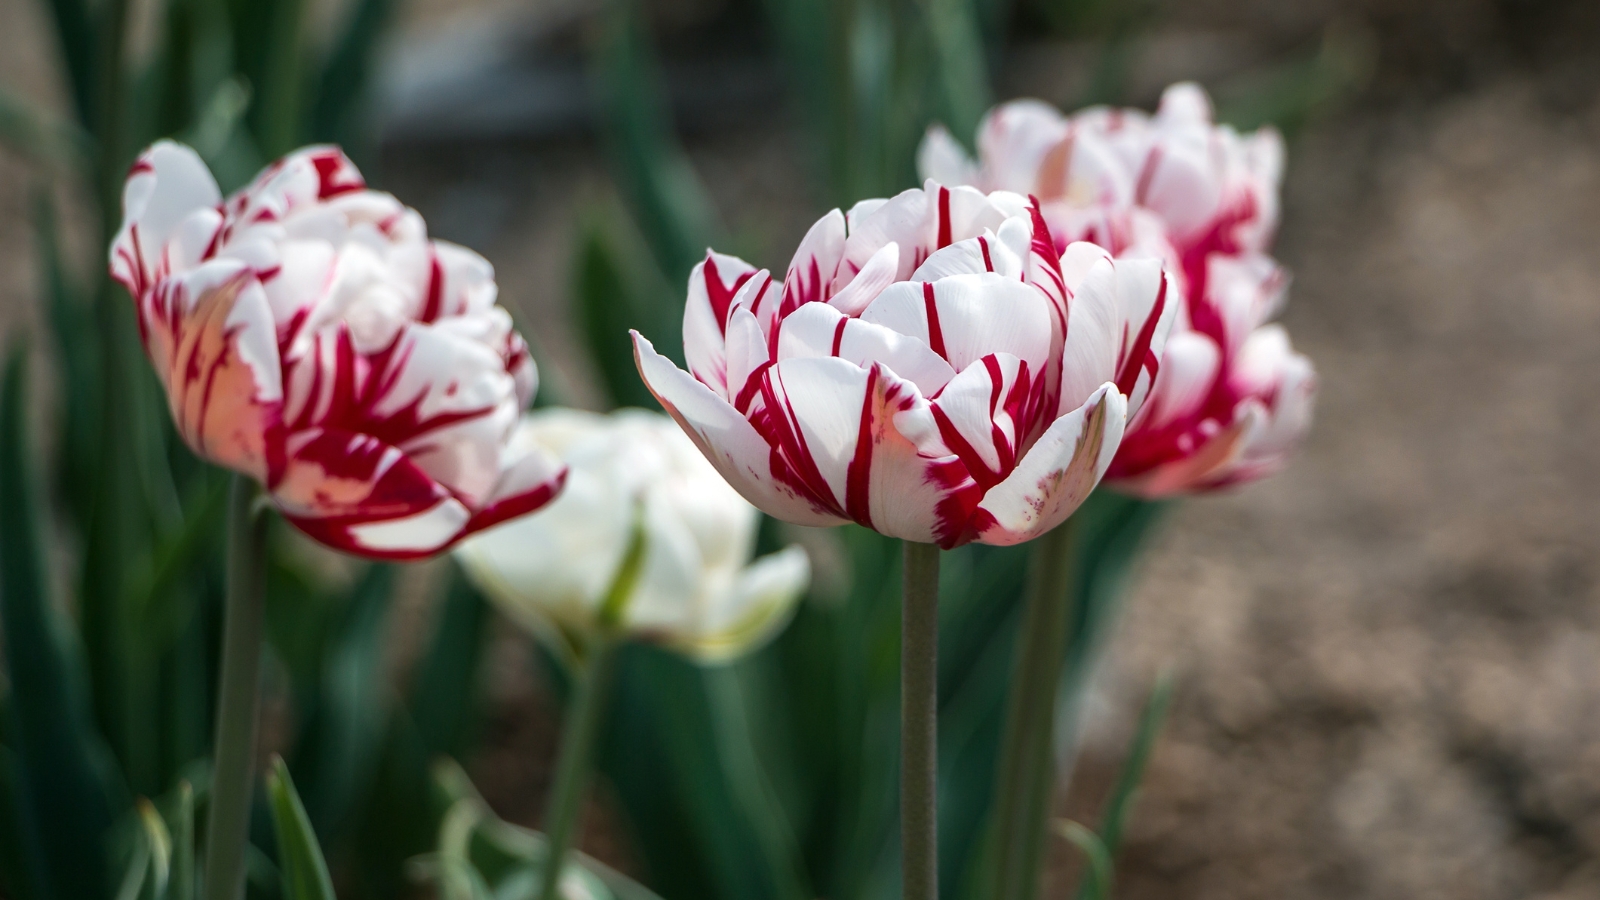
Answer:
[(646, 540)]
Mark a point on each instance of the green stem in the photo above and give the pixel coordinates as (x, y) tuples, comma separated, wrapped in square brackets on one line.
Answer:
[(1025, 778), (575, 761), (919, 722), (228, 818)]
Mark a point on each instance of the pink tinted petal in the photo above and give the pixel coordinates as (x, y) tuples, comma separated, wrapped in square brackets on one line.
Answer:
[(1188, 370), (941, 158), (726, 438), (210, 337), (1056, 475), (1013, 141), (1209, 464)]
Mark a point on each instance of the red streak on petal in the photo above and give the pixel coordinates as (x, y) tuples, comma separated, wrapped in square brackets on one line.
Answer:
[(858, 475), (838, 335), (935, 332), (721, 295), (1147, 174), (944, 218), (983, 244), (334, 175), (432, 307), (1139, 356)]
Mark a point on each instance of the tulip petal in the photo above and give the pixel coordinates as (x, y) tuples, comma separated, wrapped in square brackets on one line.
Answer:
[(820, 330), (964, 318), (211, 339), (811, 271), (712, 285), (749, 613), (166, 189), (1056, 475), (358, 494), (941, 158), (726, 438)]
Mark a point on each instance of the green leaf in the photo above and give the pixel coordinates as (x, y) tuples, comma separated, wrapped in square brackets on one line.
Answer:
[(666, 196), (1127, 787), (617, 286), (60, 147), (20, 855), (302, 872), (338, 753), (347, 70), (1097, 877), (76, 38), (183, 868), (64, 785)]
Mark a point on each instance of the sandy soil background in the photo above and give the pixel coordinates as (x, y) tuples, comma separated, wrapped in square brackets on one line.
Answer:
[(1389, 657)]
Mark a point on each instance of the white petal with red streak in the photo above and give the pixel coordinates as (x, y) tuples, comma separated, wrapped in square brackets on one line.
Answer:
[(1188, 370), (814, 329), (1057, 474), (977, 315), (1094, 332), (703, 342), (974, 405), (878, 273), (811, 270), (726, 438), (168, 185)]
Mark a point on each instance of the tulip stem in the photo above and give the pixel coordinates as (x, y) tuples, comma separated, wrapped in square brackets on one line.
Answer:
[(228, 818), (575, 760), (1025, 779), (919, 722)]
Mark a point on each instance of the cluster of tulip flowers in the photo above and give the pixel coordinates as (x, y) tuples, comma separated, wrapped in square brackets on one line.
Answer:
[(1086, 301)]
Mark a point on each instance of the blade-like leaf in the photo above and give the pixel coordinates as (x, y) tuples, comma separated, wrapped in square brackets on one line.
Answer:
[(346, 72), (1121, 801), (616, 286), (302, 872), (1097, 858), (64, 784), (21, 858)]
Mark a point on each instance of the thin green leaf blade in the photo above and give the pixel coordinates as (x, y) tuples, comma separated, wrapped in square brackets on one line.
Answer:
[(1097, 875), (302, 871)]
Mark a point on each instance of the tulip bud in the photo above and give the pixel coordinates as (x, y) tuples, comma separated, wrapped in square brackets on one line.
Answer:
[(646, 540)]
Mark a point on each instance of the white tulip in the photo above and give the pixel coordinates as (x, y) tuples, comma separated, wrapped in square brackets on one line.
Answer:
[(637, 487)]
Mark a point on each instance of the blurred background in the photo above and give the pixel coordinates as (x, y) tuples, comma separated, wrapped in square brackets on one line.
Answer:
[(1387, 658)]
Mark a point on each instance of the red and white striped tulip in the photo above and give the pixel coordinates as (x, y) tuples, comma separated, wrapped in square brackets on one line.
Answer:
[(1232, 399), (927, 368), (1122, 177), (311, 336)]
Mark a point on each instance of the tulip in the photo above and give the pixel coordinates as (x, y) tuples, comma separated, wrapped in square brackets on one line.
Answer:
[(930, 367), (1171, 185), (312, 339), (646, 541), (633, 477), (1231, 399), (310, 336)]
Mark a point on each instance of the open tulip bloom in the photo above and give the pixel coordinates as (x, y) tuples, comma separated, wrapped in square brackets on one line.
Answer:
[(1232, 399), (932, 367), (636, 485), (929, 367), (310, 336)]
